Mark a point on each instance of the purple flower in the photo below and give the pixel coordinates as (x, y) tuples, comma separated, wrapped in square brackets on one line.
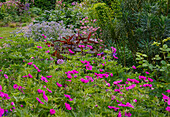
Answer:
[(60, 61)]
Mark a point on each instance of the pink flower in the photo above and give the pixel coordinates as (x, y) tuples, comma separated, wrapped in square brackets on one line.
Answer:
[(1, 112), (112, 107), (49, 46), (69, 76), (59, 85), (49, 76), (38, 70), (45, 97), (111, 74), (30, 76), (47, 51), (39, 47), (15, 86), (135, 100), (133, 67), (108, 84), (168, 91), (39, 101), (21, 105), (67, 106), (30, 63), (0, 87), (128, 114), (100, 70), (6, 76), (12, 103), (150, 80), (1, 37), (84, 81), (44, 79), (49, 90), (52, 111), (43, 35), (147, 72), (71, 51), (168, 109), (119, 114), (0, 70), (39, 90)]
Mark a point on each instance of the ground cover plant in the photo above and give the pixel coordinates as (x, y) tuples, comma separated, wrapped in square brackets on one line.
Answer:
[(69, 65)]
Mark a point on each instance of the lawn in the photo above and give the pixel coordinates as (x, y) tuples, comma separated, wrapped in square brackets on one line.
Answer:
[(5, 31)]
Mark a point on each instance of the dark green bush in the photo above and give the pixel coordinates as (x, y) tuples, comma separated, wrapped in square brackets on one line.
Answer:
[(45, 4)]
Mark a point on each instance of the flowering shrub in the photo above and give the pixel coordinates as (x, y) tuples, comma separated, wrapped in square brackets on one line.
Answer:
[(32, 85), (52, 30)]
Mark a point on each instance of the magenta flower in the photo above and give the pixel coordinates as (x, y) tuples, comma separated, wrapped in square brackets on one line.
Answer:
[(52, 111), (49, 76), (67, 96), (117, 82), (119, 114), (70, 51), (6, 76), (0, 70), (168, 91), (67, 106), (133, 67), (15, 86), (30, 63), (44, 79), (90, 46), (39, 91), (135, 100), (21, 105), (84, 81), (1, 111), (112, 107), (39, 101), (168, 109), (30, 76), (38, 70), (100, 70), (128, 114), (150, 80), (39, 47), (59, 85), (108, 84), (12, 103), (147, 72), (45, 97), (1, 37), (47, 51), (69, 76), (43, 35), (49, 90), (0, 87), (49, 46)]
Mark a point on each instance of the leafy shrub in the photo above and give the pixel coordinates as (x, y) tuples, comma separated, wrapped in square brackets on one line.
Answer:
[(44, 4), (159, 64), (69, 16), (52, 30)]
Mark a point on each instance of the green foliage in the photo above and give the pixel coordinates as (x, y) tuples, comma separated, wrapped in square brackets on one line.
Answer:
[(89, 99), (45, 4), (159, 64), (69, 16)]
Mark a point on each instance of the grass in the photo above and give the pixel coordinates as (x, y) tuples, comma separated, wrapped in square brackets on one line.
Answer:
[(5, 31)]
